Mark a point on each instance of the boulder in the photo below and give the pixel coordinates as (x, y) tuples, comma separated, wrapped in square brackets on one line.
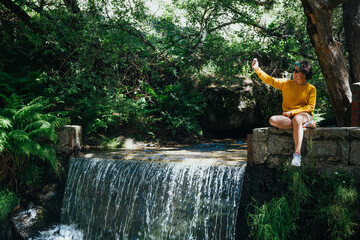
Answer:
[(28, 221), (40, 208), (50, 197), (240, 107)]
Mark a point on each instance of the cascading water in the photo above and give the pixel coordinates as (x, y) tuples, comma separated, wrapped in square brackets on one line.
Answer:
[(122, 199)]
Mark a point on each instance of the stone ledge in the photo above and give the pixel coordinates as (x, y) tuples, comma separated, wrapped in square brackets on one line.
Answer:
[(329, 148)]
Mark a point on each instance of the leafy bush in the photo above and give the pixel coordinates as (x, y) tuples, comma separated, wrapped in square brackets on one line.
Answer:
[(115, 110), (178, 107), (314, 207), (26, 135), (23, 83)]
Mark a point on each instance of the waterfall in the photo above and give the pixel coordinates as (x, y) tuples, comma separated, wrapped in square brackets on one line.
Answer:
[(127, 199)]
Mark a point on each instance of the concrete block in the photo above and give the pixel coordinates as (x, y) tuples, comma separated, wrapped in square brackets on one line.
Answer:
[(69, 138)]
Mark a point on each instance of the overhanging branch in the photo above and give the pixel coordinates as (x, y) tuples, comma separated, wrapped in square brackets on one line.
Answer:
[(22, 15), (270, 32)]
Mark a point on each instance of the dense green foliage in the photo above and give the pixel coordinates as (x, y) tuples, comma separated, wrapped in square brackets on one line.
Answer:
[(115, 65), (120, 68), (8, 200), (313, 207)]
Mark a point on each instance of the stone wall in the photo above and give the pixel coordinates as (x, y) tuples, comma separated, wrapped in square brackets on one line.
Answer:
[(327, 149)]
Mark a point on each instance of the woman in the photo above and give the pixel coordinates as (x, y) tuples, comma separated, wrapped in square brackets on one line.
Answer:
[(298, 104)]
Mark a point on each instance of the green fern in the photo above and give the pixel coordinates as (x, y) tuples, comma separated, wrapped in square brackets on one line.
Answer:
[(5, 123), (26, 131)]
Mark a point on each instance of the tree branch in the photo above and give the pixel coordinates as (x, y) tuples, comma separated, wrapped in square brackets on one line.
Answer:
[(332, 4), (133, 32), (22, 15), (141, 37), (222, 26), (256, 25), (193, 35), (203, 25)]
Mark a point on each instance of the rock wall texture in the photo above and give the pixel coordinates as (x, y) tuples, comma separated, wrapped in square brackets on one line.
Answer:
[(239, 107), (327, 149)]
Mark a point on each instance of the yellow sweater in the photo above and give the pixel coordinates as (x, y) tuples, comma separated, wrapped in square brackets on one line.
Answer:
[(296, 98)]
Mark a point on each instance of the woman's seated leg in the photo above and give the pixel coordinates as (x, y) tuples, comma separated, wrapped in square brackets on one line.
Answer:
[(281, 121), (297, 123)]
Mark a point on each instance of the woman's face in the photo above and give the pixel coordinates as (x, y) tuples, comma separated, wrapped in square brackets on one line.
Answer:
[(298, 75)]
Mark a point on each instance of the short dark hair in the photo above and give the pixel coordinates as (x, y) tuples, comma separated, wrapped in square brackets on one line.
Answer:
[(306, 68)]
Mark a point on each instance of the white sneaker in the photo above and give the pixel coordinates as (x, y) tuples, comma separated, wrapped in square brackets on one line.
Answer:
[(296, 161), (310, 124)]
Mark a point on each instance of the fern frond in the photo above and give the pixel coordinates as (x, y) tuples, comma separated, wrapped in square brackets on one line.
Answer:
[(59, 122), (5, 123), (3, 140), (46, 133), (27, 115), (7, 112), (33, 148), (37, 100), (12, 102), (3, 134), (37, 116), (29, 109), (50, 155), (18, 136), (48, 105), (20, 143), (37, 125)]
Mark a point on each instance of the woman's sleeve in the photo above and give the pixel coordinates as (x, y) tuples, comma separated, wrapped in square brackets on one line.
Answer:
[(309, 108), (276, 83)]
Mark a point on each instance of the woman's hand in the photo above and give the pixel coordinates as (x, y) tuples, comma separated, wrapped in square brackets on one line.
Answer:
[(255, 64), (287, 114)]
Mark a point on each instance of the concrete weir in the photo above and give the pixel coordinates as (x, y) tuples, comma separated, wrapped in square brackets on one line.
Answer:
[(149, 192), (216, 152), (185, 192)]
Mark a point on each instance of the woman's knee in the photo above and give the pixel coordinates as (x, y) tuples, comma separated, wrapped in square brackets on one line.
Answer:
[(274, 121), (298, 120)]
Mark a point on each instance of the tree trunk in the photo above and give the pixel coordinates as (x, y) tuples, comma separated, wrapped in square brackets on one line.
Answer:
[(351, 16), (22, 15), (331, 58)]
